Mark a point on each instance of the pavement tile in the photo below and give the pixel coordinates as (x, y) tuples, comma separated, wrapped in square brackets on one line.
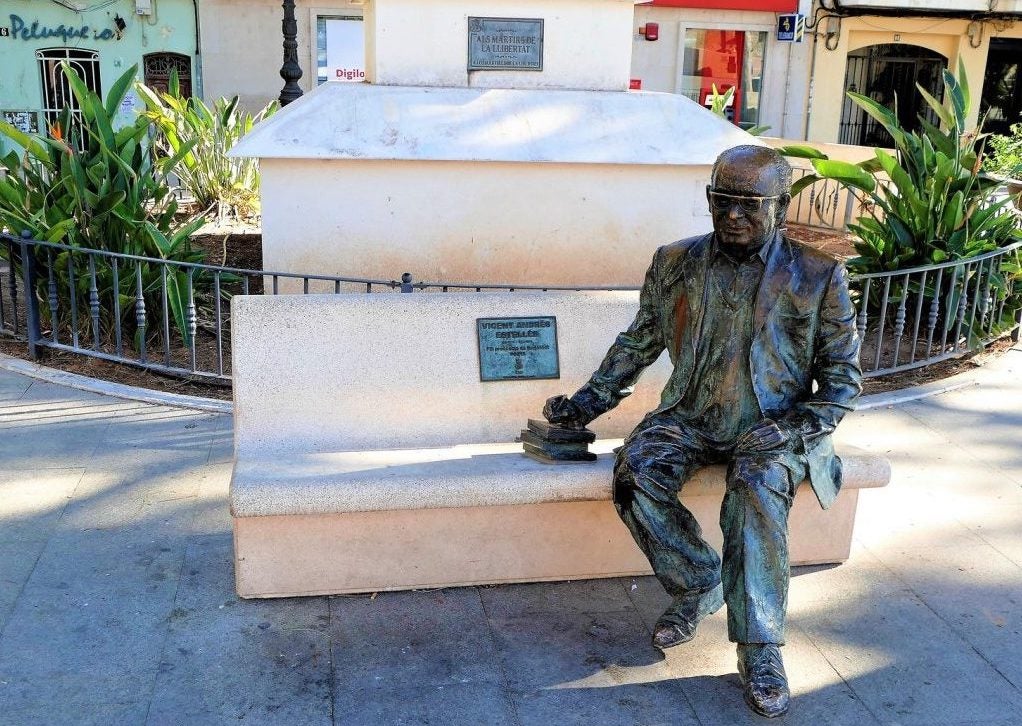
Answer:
[(221, 448), (32, 502), (212, 508), (659, 702), (426, 638), (597, 596), (73, 710), (707, 671), (556, 650), (17, 560), (473, 703), (907, 665), (649, 598), (12, 386)]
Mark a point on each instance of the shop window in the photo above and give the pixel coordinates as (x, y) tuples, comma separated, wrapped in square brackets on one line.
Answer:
[(725, 59), (340, 49), (57, 93), (158, 67)]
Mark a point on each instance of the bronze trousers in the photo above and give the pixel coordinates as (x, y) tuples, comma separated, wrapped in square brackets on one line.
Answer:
[(651, 469)]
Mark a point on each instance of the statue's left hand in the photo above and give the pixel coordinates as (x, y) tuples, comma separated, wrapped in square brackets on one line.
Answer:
[(767, 435)]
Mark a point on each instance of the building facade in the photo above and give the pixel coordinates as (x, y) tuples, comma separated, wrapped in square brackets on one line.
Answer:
[(100, 40)]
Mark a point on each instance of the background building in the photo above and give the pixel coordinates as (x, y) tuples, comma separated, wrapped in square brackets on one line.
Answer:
[(100, 39)]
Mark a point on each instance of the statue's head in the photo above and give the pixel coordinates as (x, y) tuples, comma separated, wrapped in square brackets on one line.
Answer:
[(749, 192)]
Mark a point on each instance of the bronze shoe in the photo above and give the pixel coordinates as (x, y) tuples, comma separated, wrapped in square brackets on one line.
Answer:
[(764, 682), (678, 623)]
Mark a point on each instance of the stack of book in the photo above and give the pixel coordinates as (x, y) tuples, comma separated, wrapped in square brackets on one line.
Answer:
[(550, 443)]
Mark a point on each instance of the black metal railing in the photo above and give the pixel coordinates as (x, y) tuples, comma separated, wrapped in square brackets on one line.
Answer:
[(174, 317)]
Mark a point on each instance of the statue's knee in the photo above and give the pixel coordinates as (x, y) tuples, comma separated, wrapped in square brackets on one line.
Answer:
[(757, 476)]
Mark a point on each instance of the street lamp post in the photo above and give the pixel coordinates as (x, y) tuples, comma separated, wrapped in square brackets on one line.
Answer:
[(290, 71)]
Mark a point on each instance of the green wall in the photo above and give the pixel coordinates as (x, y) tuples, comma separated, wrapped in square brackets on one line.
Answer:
[(170, 27)]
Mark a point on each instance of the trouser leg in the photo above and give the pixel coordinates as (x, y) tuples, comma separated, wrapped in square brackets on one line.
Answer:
[(754, 521), (650, 469)]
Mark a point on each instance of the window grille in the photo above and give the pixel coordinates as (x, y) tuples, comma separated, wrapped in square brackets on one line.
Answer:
[(57, 94), (158, 67)]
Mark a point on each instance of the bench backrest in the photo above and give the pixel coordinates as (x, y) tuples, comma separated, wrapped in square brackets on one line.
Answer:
[(392, 371)]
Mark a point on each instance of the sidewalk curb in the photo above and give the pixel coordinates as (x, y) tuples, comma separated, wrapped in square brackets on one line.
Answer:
[(212, 405), (108, 388)]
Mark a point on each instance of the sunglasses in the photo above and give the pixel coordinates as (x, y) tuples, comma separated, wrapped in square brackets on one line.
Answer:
[(751, 204)]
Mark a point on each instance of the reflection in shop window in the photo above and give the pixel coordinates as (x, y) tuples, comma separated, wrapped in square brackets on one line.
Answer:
[(340, 49), (727, 59)]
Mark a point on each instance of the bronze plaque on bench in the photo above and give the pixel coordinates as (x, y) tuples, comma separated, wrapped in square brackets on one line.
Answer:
[(512, 349)]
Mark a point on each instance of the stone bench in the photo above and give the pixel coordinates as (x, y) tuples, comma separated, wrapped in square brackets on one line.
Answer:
[(369, 456)]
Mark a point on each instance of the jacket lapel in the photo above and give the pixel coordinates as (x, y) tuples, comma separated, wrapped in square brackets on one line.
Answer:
[(776, 281)]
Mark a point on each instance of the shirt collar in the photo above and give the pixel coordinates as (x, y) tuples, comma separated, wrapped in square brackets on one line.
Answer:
[(763, 253)]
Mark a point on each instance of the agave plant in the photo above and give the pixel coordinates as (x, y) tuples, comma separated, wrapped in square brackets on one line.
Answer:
[(192, 143), (928, 202), (87, 184)]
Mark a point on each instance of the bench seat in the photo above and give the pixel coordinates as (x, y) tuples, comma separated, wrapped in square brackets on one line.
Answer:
[(364, 521)]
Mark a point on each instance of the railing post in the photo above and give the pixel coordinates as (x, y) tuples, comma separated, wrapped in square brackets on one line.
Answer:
[(406, 282), (31, 304)]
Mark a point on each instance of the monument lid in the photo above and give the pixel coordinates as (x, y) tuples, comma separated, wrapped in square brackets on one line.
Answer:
[(365, 121)]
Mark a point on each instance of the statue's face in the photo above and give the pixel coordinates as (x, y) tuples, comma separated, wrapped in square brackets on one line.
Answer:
[(747, 202)]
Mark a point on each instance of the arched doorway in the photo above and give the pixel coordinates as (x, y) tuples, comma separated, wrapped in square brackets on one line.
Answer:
[(885, 72)]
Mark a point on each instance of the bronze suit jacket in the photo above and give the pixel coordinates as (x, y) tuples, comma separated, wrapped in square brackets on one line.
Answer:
[(804, 334)]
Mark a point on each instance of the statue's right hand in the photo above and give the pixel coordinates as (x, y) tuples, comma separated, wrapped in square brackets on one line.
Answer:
[(562, 411)]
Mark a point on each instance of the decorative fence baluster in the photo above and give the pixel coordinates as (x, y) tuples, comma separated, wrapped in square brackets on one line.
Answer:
[(12, 284), (94, 302), (115, 268), (861, 318), (899, 320), (950, 308), (51, 295), (918, 315), (73, 289), (219, 325), (192, 318), (963, 306), (931, 321), (140, 313), (166, 312), (883, 319)]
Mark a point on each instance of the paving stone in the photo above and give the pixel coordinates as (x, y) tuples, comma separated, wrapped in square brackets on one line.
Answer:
[(707, 671), (596, 596), (907, 665), (552, 650), (221, 448), (32, 502), (71, 709), (12, 386), (658, 702), (212, 509), (474, 703), (164, 495), (17, 559), (89, 625), (434, 638), (649, 598), (976, 592)]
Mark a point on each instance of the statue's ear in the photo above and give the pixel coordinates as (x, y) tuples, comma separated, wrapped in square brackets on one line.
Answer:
[(782, 207)]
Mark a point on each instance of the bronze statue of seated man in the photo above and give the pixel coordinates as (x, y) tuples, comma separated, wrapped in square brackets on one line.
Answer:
[(751, 321)]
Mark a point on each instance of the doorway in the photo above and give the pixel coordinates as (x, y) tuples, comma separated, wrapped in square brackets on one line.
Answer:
[(888, 74)]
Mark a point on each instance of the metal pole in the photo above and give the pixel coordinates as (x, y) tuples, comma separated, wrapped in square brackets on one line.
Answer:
[(290, 71)]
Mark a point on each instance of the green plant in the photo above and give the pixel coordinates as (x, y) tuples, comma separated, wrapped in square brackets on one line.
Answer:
[(1005, 158), (927, 203), (87, 184), (192, 142), (719, 103)]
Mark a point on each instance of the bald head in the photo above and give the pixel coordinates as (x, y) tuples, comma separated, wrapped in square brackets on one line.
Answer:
[(748, 160), (750, 187)]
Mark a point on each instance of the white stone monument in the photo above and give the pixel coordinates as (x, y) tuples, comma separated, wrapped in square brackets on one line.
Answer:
[(451, 166)]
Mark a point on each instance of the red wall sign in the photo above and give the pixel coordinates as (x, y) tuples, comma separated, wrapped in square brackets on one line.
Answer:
[(772, 6)]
